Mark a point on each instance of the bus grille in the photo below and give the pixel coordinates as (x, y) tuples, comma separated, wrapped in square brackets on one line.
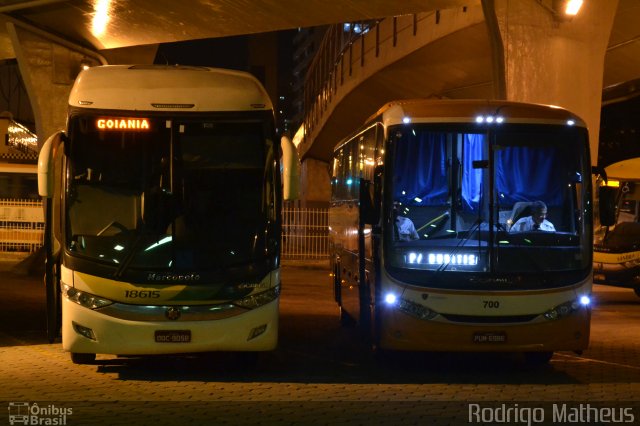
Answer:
[(489, 320)]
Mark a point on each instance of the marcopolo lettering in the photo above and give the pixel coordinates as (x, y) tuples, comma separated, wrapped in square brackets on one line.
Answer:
[(172, 277)]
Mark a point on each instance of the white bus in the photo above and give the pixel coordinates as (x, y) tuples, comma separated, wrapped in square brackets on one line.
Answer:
[(616, 251), (425, 256), (163, 211)]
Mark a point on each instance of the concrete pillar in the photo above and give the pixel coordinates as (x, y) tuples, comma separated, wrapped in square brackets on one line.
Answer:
[(49, 66), (48, 69), (549, 59), (315, 183)]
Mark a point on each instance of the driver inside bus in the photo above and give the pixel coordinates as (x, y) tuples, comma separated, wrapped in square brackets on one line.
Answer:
[(406, 229), (536, 222)]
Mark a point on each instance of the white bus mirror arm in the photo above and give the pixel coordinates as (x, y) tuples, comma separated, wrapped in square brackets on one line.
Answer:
[(45, 160)]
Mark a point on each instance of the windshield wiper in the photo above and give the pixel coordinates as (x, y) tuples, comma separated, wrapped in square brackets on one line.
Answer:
[(128, 257)]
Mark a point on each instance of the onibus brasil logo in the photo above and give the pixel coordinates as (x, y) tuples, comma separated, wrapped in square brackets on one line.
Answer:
[(25, 413)]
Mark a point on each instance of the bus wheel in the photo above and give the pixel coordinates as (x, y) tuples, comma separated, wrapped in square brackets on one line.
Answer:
[(535, 359), (637, 291), (77, 358), (346, 320)]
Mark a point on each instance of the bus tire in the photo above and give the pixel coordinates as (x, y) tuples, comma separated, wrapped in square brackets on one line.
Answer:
[(337, 287), (534, 359), (346, 320), (637, 291), (78, 358)]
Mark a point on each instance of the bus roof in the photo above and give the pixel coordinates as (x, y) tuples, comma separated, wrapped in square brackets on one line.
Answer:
[(167, 88), (624, 170), (467, 111)]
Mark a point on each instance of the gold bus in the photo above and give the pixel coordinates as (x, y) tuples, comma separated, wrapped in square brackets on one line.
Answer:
[(434, 242)]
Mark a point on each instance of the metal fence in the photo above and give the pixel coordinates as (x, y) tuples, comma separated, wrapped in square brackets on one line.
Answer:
[(304, 230), (305, 233), (21, 226)]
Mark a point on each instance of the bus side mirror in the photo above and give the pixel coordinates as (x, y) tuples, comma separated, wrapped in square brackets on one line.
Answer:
[(290, 169), (607, 211), (599, 171), (45, 164)]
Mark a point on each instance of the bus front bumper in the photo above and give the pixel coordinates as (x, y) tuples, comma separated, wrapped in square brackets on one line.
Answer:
[(616, 274), (254, 330), (406, 333)]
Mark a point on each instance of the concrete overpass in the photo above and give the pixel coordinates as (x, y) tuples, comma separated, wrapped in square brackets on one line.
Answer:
[(522, 50)]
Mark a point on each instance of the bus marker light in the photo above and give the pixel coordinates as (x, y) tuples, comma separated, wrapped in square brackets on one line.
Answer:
[(585, 300), (255, 332), (83, 331)]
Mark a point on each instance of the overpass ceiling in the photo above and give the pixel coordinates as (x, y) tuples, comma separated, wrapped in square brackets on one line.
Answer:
[(622, 60), (138, 22), (142, 22)]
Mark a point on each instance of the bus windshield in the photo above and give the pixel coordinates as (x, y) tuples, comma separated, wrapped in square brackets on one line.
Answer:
[(159, 194), (625, 234), (507, 200)]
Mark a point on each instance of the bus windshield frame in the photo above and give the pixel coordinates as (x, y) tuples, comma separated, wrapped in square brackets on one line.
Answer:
[(463, 188), (154, 195)]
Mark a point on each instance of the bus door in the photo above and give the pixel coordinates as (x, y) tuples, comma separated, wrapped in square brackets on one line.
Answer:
[(50, 187)]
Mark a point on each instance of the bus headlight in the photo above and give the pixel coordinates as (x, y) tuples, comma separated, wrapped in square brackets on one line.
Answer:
[(256, 300), (416, 310), (567, 308), (84, 299)]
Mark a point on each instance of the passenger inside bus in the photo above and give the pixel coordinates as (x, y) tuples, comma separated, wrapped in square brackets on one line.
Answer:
[(406, 229), (536, 221)]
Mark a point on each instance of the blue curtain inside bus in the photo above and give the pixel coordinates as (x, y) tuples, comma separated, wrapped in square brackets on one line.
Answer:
[(421, 170), (526, 174), (473, 146), (521, 173)]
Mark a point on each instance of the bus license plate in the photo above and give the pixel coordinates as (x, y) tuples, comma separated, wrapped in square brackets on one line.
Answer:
[(173, 336), (490, 337)]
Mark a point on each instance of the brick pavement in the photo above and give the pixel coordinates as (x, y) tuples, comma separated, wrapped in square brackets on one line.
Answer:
[(319, 374)]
